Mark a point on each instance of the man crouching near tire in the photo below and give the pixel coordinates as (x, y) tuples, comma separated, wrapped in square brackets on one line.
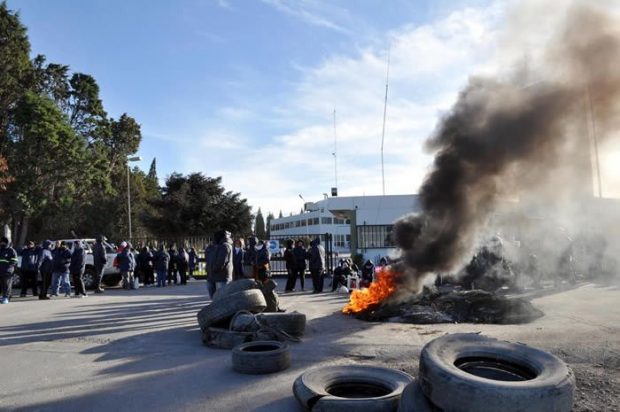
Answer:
[(222, 266)]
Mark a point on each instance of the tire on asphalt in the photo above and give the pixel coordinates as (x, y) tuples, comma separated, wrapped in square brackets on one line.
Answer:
[(234, 287), (484, 374), (224, 338), (221, 311), (351, 388), (89, 277), (293, 323), (261, 357), (413, 399)]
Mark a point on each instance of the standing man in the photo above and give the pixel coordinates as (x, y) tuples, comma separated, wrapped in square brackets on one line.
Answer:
[(60, 269), (161, 259), (238, 255), (172, 265), (100, 259), (316, 258), (77, 267), (8, 261), (145, 265), (222, 266), (300, 255), (182, 265), (45, 263), (193, 261), (263, 259), (249, 259), (28, 270)]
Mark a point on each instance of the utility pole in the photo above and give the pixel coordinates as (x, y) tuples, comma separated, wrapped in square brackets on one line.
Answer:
[(335, 154)]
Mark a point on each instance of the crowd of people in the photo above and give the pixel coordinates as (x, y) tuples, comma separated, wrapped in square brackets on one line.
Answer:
[(225, 260)]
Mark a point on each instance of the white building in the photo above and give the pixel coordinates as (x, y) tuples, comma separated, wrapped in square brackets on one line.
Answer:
[(358, 224)]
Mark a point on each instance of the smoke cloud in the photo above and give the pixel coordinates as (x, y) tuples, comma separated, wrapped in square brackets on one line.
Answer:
[(524, 141)]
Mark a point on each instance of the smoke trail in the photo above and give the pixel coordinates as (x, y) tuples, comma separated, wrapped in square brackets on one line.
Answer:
[(502, 138)]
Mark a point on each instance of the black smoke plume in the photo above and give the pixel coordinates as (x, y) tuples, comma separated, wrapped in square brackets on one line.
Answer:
[(505, 139)]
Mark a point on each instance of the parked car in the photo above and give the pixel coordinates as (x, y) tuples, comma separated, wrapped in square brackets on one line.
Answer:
[(111, 275)]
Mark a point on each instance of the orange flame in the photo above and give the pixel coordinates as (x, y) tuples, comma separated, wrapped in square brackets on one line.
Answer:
[(379, 290)]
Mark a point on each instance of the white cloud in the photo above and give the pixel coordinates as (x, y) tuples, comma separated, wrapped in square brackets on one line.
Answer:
[(308, 11), (429, 64)]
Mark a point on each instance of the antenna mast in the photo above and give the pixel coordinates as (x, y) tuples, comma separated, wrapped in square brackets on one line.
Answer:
[(335, 153), (387, 79)]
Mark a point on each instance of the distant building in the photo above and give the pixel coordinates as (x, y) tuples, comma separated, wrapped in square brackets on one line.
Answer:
[(358, 224)]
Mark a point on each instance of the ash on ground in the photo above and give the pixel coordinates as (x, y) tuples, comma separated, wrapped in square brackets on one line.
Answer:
[(452, 305)]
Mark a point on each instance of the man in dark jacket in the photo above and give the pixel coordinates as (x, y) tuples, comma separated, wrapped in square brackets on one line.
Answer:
[(300, 255), (161, 259), (45, 262), (289, 259), (60, 269), (77, 267), (316, 262), (193, 261), (145, 265), (126, 264), (263, 259), (8, 261), (249, 259), (28, 270), (182, 265), (368, 274), (222, 266), (172, 265), (238, 258), (100, 259)]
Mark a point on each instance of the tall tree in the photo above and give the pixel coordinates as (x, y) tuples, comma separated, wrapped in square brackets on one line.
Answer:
[(259, 225), (196, 205), (280, 214), (270, 217), (15, 68), (153, 170)]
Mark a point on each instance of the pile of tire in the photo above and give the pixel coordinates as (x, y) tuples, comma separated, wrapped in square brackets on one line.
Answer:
[(470, 372), (235, 317)]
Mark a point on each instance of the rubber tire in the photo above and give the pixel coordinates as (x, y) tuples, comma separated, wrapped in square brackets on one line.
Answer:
[(89, 278), (244, 322), (224, 338), (234, 287), (413, 399), (452, 389), (293, 323), (310, 388), (215, 312), (257, 363)]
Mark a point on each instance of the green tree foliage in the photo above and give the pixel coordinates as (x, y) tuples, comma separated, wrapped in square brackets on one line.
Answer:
[(259, 225), (270, 217), (280, 216), (15, 68), (196, 204)]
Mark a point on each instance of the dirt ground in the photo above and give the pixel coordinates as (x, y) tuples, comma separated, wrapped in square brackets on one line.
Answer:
[(141, 350)]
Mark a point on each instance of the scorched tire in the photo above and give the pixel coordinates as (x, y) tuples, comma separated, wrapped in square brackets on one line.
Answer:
[(234, 287), (224, 338), (251, 300), (469, 372), (260, 357), (356, 388), (413, 399), (293, 323)]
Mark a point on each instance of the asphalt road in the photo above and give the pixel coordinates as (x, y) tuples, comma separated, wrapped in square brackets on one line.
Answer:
[(142, 350)]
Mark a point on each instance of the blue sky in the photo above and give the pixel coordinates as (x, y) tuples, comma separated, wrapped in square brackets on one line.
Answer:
[(247, 89)]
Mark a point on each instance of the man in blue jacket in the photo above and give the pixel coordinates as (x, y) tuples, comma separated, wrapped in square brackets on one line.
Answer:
[(45, 262), (126, 264), (60, 269), (77, 267), (28, 270), (8, 261), (161, 259)]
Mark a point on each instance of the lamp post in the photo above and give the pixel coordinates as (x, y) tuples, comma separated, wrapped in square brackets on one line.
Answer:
[(130, 159)]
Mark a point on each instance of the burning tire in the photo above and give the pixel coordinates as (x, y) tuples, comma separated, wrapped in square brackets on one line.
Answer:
[(413, 399), (234, 287), (220, 311), (293, 323), (351, 387), (484, 374), (224, 338), (260, 357)]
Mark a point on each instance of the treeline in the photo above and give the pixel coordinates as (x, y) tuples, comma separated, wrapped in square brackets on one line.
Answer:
[(63, 160)]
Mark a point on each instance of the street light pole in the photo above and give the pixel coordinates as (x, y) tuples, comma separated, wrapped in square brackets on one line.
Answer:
[(130, 159)]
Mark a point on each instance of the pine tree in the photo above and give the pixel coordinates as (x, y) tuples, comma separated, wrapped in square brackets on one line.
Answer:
[(259, 225), (153, 170), (270, 217), (280, 215)]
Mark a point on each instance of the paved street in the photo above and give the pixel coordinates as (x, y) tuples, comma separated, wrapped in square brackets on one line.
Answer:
[(141, 350)]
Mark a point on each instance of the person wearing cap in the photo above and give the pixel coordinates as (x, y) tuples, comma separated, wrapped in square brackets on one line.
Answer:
[(8, 261), (45, 262), (28, 269), (77, 267), (60, 269)]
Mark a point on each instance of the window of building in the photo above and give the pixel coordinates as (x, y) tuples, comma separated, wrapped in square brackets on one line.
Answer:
[(298, 223), (375, 236), (326, 220), (304, 222)]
